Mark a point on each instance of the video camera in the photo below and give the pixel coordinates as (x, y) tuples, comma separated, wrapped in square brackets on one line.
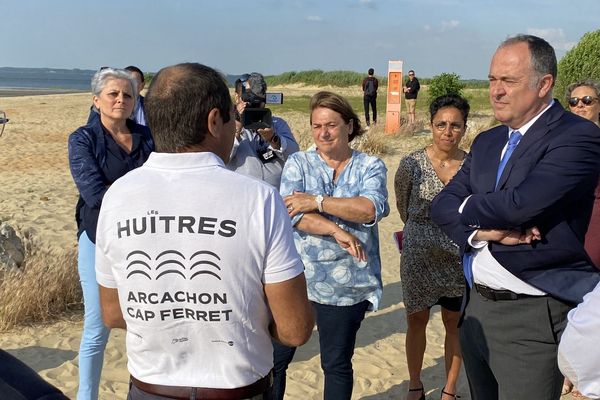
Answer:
[(256, 117)]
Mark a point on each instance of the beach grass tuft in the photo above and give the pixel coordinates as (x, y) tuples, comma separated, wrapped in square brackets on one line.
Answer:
[(44, 288), (373, 142)]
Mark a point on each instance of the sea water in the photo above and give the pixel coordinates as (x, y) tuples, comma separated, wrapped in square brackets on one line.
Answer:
[(45, 78)]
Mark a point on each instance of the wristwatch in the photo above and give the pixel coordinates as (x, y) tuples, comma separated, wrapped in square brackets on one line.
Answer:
[(319, 200)]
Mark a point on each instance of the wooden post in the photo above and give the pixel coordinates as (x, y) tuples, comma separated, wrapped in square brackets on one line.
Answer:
[(394, 98)]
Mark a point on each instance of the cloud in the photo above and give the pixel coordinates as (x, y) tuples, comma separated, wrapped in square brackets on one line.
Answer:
[(427, 27), (368, 3), (452, 24), (314, 18), (555, 36)]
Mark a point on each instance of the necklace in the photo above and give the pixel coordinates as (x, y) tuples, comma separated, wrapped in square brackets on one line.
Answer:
[(442, 163)]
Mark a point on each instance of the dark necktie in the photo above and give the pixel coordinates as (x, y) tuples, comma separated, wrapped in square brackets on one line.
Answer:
[(513, 141)]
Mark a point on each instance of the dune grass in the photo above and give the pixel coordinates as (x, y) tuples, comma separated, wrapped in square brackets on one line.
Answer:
[(44, 288)]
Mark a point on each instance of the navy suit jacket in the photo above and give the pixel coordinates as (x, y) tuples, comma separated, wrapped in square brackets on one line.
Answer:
[(548, 182)]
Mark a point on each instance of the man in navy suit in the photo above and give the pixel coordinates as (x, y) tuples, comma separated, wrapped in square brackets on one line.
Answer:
[(518, 210)]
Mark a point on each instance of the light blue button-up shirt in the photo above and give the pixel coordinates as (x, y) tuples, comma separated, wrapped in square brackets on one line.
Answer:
[(333, 276)]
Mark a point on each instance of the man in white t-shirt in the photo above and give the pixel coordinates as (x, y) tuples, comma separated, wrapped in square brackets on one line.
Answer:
[(195, 261)]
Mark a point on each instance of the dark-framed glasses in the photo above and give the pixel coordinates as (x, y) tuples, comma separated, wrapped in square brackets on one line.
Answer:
[(442, 126), (3, 121), (586, 100)]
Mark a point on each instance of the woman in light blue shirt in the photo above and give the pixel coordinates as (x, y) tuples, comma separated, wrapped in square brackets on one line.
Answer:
[(335, 196)]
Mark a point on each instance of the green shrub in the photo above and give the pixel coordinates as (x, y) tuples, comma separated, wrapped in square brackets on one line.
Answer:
[(148, 76), (318, 77), (445, 83), (581, 62)]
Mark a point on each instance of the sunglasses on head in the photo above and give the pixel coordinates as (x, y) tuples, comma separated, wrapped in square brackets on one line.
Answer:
[(586, 100)]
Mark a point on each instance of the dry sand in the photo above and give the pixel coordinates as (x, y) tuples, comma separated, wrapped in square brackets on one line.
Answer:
[(37, 193)]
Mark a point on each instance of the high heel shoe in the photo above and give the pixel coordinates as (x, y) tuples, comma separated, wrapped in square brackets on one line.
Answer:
[(421, 389), (454, 396)]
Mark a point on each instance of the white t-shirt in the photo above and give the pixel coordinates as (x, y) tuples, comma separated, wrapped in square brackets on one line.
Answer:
[(578, 351), (189, 244)]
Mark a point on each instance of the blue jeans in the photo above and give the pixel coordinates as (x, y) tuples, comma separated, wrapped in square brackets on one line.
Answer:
[(282, 357), (95, 334), (338, 326)]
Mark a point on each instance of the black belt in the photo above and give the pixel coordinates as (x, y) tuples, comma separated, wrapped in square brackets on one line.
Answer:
[(180, 392), (496, 295)]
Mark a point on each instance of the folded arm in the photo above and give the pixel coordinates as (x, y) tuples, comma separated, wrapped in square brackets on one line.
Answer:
[(566, 170)]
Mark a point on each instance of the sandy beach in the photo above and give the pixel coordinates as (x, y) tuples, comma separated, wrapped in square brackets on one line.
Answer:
[(38, 194)]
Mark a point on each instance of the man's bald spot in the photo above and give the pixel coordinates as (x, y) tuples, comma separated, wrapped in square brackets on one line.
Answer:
[(168, 80)]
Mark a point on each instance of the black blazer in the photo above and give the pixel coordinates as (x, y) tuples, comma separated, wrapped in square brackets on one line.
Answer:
[(548, 182)]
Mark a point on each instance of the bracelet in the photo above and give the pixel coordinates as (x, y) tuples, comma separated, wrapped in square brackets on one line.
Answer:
[(319, 200)]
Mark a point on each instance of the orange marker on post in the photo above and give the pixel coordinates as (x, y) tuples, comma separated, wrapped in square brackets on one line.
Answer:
[(394, 98)]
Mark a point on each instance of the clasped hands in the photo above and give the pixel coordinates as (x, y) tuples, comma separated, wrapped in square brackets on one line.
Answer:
[(300, 202), (508, 237)]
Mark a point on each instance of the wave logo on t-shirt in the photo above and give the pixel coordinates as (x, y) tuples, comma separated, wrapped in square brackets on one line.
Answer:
[(173, 262)]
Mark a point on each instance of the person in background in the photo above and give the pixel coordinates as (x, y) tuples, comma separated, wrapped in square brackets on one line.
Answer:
[(3, 121), (369, 86), (335, 197), (411, 91), (224, 236), (100, 153), (138, 113), (430, 265), (518, 210), (260, 153), (583, 98)]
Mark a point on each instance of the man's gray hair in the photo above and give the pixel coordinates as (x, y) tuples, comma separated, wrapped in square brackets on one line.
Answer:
[(543, 57), (104, 75)]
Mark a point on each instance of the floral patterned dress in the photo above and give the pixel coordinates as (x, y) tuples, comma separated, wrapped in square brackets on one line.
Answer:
[(430, 266)]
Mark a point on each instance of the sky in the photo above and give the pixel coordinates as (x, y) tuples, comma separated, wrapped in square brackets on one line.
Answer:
[(272, 37)]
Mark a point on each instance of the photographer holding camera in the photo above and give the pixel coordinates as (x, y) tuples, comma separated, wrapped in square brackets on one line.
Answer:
[(262, 142)]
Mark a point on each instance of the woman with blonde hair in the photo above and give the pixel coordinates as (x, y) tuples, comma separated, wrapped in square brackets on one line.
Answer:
[(583, 98)]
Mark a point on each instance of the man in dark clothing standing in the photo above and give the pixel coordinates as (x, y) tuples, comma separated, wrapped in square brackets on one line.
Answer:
[(369, 87), (411, 90)]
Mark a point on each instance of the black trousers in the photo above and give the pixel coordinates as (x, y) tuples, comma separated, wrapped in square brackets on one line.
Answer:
[(509, 347), (372, 101)]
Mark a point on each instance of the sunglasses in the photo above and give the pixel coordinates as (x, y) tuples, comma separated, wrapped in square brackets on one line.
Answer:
[(586, 100)]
